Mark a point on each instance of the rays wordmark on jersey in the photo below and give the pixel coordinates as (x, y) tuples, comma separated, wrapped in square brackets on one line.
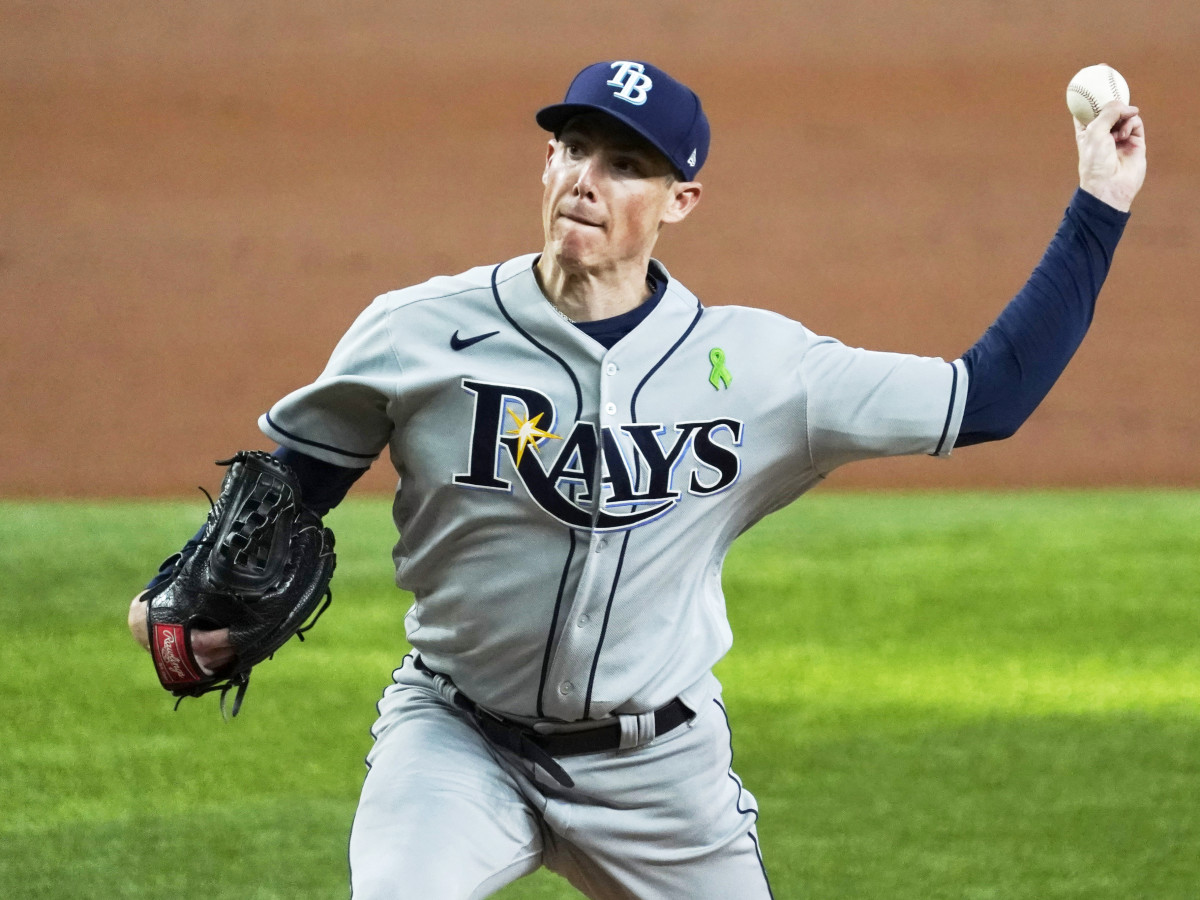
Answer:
[(638, 470)]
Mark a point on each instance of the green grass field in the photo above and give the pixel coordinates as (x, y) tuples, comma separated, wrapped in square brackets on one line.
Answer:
[(951, 695)]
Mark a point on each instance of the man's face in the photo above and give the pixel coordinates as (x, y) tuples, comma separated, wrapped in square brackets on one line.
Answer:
[(607, 192)]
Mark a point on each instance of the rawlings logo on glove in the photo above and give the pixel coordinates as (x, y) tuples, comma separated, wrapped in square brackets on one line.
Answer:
[(173, 667), (261, 568)]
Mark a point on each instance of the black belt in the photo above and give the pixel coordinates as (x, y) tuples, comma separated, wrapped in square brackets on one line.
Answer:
[(542, 748)]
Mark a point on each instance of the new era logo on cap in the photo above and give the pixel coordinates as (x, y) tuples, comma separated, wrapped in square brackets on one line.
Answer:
[(664, 111)]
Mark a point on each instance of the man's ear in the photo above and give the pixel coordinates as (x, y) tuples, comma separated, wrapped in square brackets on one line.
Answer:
[(551, 146), (685, 195)]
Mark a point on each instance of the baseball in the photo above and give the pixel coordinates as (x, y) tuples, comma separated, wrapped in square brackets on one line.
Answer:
[(1091, 88)]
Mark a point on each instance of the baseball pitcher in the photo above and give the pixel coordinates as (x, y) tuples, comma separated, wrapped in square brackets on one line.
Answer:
[(579, 440)]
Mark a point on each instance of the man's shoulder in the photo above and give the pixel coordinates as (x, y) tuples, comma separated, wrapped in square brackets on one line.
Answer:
[(437, 288), (752, 318), (750, 323), (473, 281)]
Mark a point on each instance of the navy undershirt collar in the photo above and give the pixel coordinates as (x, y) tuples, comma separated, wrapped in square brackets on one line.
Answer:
[(608, 331)]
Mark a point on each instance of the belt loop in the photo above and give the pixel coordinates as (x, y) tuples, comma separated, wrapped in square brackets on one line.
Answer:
[(445, 688), (496, 729), (646, 728), (636, 730)]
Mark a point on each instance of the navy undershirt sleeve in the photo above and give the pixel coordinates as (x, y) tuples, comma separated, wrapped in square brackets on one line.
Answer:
[(322, 487), (1018, 359)]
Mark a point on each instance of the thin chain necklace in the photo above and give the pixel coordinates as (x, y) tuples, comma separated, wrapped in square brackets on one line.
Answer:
[(559, 311), (650, 285)]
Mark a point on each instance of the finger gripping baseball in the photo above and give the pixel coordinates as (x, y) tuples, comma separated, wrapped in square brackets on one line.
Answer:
[(261, 569)]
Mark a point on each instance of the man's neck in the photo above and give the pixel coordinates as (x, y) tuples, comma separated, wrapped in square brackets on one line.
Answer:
[(588, 296)]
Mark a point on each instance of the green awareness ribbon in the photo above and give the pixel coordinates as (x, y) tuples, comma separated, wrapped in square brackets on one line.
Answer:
[(720, 373)]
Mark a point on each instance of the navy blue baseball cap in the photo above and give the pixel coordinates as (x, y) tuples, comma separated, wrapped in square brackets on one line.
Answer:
[(664, 111)]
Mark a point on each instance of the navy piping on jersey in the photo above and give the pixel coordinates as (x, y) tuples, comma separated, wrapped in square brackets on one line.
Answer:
[(562, 587), (330, 447), (578, 412), (658, 365), (587, 702), (529, 337), (949, 409), (638, 483)]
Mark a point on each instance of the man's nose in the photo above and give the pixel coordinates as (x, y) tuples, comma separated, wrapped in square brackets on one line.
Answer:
[(585, 179)]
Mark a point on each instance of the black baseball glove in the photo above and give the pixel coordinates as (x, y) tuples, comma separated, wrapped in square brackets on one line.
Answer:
[(261, 568)]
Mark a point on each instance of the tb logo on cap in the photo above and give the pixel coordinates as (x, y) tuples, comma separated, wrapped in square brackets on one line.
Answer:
[(633, 81)]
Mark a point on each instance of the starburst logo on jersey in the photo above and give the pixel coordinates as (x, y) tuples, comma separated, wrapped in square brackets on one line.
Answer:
[(527, 431), (606, 479)]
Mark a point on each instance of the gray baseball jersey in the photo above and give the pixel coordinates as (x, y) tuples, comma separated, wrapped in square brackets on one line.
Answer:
[(563, 509)]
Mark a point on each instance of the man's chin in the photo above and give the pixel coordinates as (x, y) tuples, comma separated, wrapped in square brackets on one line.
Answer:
[(575, 252)]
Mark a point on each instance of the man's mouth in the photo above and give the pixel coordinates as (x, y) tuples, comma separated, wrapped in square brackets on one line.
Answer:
[(581, 220)]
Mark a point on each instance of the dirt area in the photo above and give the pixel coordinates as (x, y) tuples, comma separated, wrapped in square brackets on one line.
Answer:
[(196, 200)]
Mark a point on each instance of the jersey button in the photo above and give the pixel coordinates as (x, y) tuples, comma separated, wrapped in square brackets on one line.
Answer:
[(610, 409), (601, 544), (565, 688), (611, 368), (583, 620)]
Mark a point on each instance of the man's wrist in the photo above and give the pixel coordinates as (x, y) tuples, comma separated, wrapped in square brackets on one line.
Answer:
[(1118, 200)]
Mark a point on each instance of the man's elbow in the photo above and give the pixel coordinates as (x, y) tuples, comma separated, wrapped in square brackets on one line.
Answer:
[(997, 430)]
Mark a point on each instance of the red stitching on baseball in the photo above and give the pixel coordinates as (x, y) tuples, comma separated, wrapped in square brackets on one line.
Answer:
[(1082, 92)]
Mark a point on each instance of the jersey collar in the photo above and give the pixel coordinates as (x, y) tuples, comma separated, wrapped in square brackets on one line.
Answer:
[(521, 301)]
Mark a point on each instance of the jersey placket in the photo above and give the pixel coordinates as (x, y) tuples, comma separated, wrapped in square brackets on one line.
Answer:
[(570, 685)]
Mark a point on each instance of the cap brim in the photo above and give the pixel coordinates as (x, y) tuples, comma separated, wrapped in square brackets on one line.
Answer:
[(553, 118)]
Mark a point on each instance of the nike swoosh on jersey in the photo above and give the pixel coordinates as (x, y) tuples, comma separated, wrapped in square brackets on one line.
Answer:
[(457, 343)]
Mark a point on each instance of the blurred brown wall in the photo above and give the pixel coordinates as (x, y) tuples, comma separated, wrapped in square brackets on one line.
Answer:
[(196, 199)]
